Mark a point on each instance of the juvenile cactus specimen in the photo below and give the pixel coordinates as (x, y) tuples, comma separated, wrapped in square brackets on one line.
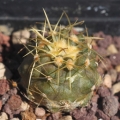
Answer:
[(59, 70)]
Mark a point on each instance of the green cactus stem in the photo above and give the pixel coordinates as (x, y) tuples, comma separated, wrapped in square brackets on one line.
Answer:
[(60, 68)]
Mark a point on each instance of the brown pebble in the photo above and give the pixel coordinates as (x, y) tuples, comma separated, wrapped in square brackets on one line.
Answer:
[(105, 42), (77, 114), (95, 98), (116, 41), (114, 118), (103, 91), (101, 114), (4, 86), (110, 105), (14, 102), (55, 116), (102, 51), (115, 59)]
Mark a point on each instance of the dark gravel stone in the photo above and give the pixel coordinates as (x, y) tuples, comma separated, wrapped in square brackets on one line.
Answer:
[(110, 105)]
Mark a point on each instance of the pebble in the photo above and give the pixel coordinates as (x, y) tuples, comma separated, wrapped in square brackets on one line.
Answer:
[(55, 116), (112, 49), (106, 42), (24, 106), (3, 116), (115, 59), (28, 115), (20, 37), (113, 74), (116, 41), (116, 88), (14, 102), (102, 51), (4, 72), (6, 29), (110, 105), (103, 91), (40, 112), (4, 86), (107, 81), (114, 118), (100, 114)]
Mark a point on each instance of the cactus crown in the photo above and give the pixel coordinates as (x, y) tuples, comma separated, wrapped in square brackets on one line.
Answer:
[(60, 67)]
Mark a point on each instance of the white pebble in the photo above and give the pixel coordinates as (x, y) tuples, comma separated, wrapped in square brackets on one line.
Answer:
[(116, 88), (3, 116), (112, 49), (107, 81), (20, 37), (24, 106), (4, 72)]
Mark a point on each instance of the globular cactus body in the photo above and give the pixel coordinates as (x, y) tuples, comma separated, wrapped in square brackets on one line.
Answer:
[(59, 70)]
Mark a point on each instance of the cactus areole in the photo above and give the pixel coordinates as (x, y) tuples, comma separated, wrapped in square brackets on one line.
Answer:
[(60, 68)]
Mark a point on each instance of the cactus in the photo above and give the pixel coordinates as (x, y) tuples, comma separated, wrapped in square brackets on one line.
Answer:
[(60, 68)]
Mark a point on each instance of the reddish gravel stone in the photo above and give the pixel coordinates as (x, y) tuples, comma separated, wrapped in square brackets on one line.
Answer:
[(102, 51), (115, 59), (102, 115), (79, 113), (14, 102), (116, 41), (95, 98), (118, 77), (55, 116), (103, 91), (99, 34), (114, 118), (4, 86), (105, 42)]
